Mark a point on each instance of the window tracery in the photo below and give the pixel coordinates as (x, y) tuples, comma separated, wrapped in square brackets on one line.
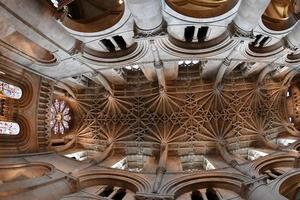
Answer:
[(60, 117), (10, 91), (9, 128), (7, 90)]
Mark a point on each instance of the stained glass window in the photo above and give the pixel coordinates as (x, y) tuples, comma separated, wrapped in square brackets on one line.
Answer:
[(9, 128), (59, 117), (10, 91)]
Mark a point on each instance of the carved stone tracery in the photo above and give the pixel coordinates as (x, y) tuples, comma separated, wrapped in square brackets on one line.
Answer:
[(189, 117)]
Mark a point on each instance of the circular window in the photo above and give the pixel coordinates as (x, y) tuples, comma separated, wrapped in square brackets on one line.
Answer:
[(60, 117)]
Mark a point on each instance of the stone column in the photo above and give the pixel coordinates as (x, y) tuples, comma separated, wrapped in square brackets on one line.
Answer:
[(250, 68), (129, 196), (113, 193), (227, 64), (232, 66), (65, 147), (290, 128), (161, 169), (203, 194), (149, 71), (98, 158), (222, 69), (292, 40), (289, 77), (296, 164), (231, 160), (249, 14), (67, 88), (100, 79), (101, 156), (159, 68), (268, 143), (146, 13), (263, 74), (280, 72)]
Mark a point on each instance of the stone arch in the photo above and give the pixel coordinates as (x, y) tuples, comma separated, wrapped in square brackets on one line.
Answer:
[(230, 181), (288, 186), (281, 159), (201, 9), (93, 23), (30, 49), (184, 50), (133, 53), (295, 145), (120, 178), (16, 172), (23, 82), (20, 142), (271, 51), (293, 58), (279, 21)]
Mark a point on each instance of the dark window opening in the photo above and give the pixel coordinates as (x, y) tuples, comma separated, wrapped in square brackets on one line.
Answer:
[(211, 194), (107, 191), (297, 194), (257, 38), (189, 33), (261, 41), (264, 41), (109, 45), (58, 144), (120, 42), (270, 175), (120, 194), (202, 33), (275, 172), (196, 195), (74, 10), (2, 107)]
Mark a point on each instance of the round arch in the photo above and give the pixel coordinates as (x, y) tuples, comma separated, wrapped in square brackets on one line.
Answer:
[(229, 181), (124, 179)]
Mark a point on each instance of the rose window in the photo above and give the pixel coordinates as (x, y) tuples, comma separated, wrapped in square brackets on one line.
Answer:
[(59, 117)]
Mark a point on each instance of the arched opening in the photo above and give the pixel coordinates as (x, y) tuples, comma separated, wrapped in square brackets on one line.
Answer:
[(211, 194), (10, 91), (293, 102), (92, 16), (60, 117), (201, 8), (29, 48), (9, 128), (196, 195), (115, 193), (273, 173), (208, 187), (279, 15), (120, 194), (18, 172), (7, 108), (290, 187), (107, 191), (208, 193)]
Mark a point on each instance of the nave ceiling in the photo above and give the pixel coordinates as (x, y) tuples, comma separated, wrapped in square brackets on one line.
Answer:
[(153, 99)]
